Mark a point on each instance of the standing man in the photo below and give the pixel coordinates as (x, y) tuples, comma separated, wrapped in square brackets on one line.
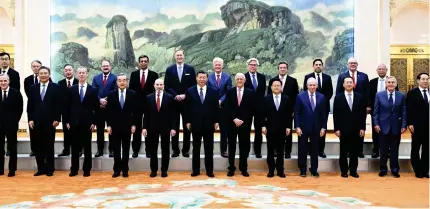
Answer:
[(142, 82), (361, 86), (65, 85), (289, 87), (44, 114), (310, 121), (104, 83), (349, 117), (417, 103), (389, 118), (257, 83), (202, 120), (80, 120), (276, 117), (239, 105), (179, 77), (11, 107), (221, 81), (6, 69), (325, 87), (159, 122), (123, 115)]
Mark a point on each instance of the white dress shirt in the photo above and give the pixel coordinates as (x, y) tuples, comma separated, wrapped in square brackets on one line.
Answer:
[(37, 77), (279, 99), (84, 90), (320, 80), (119, 94), (427, 92), (161, 97), (241, 93), (6, 70), (204, 91), (46, 87), (394, 95), (146, 74), (283, 79), (7, 93), (381, 81), (352, 97), (70, 80), (314, 97)]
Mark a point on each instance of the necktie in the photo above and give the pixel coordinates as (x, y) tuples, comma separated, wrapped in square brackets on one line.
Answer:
[(353, 78), (81, 93), (142, 80), (390, 101), (282, 87), (277, 102), (202, 99), (121, 99), (381, 85), (239, 97), (4, 95), (42, 95), (158, 102), (312, 102), (180, 73), (218, 80), (350, 101), (426, 99), (319, 81), (105, 81), (254, 82), (36, 81), (68, 84)]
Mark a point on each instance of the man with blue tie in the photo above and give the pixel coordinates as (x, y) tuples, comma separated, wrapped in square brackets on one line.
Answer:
[(178, 78), (104, 83), (389, 119), (221, 81), (310, 122)]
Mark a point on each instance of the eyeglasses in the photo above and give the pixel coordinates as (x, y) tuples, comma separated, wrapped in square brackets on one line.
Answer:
[(4, 59), (353, 63), (252, 65)]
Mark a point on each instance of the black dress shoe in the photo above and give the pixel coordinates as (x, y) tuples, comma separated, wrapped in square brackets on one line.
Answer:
[(395, 175), (230, 173), (186, 154), (344, 175), (39, 173), (98, 154), (111, 154), (125, 174), (419, 175), (382, 173), (163, 174), (153, 174), (287, 156), (175, 154), (322, 154), (245, 173), (303, 173), (193, 174), (224, 155), (148, 155), (211, 175), (360, 155), (32, 154), (270, 174), (315, 174), (73, 173), (11, 174), (50, 174), (355, 175), (134, 155), (87, 174), (425, 175), (258, 156), (116, 174), (282, 175), (63, 154), (375, 155)]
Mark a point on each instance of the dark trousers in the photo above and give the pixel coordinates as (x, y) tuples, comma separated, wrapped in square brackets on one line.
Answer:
[(45, 138), (389, 143), (258, 137), (11, 146), (321, 143), (244, 134), (186, 132), (137, 140), (420, 139), (208, 145), (375, 140), (313, 150), (101, 123), (154, 138), (121, 138), (275, 141), (32, 138), (67, 142), (223, 127), (349, 143), (82, 139), (289, 142)]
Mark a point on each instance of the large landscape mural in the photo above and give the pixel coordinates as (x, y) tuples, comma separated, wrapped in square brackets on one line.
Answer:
[(297, 31)]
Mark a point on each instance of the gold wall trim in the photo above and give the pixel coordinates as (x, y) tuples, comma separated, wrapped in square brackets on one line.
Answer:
[(410, 50)]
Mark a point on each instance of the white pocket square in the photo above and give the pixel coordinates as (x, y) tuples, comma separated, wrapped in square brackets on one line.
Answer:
[(187, 74)]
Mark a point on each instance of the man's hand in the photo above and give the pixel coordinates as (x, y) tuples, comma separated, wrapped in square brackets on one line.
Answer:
[(188, 126), (172, 132), (402, 130), (377, 129), (287, 132), (68, 126), (362, 132), (299, 131), (411, 128), (109, 129), (216, 125), (103, 101), (180, 97), (264, 130), (144, 132), (133, 129), (322, 132), (237, 122), (55, 124), (337, 133), (92, 127)]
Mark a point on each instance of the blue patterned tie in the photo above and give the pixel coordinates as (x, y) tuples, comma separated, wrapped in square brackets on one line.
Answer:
[(254, 82), (426, 99), (81, 93), (42, 95), (202, 99), (277, 102), (180, 73), (312, 102), (121, 99), (350, 101), (391, 101)]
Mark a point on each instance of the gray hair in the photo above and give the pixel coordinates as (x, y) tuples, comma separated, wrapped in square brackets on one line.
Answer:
[(239, 75), (122, 74), (5, 74), (82, 68), (391, 78), (218, 59), (352, 59), (253, 59), (382, 65), (311, 80)]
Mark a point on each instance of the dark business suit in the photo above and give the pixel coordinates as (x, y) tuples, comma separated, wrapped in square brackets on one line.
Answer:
[(103, 91), (276, 122), (202, 117), (159, 123), (259, 92), (44, 113), (11, 109), (14, 79), (121, 119), (142, 90), (291, 89), (349, 122), (64, 88), (243, 112), (174, 87), (310, 122), (28, 82), (390, 118), (81, 115), (417, 112)]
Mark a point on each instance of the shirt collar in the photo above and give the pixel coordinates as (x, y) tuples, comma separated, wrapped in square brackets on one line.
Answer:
[(309, 93), (7, 90), (237, 88), (180, 65), (285, 76), (6, 70), (384, 78), (161, 93), (85, 85), (71, 80), (107, 75), (352, 93), (350, 72), (421, 89), (394, 92), (142, 70), (204, 87), (220, 74), (279, 95), (47, 83), (119, 90)]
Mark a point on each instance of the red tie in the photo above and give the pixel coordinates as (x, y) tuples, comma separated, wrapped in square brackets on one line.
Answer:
[(142, 81), (239, 98), (105, 81), (68, 84), (158, 102), (353, 79), (218, 81)]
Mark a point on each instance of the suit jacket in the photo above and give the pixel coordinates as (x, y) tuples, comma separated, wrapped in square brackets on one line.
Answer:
[(102, 90), (11, 110), (417, 110), (261, 88), (14, 80), (305, 118), (326, 88), (373, 89), (160, 121), (65, 91), (136, 86), (225, 84), (171, 81), (81, 113), (201, 116), (361, 87), (390, 118), (346, 120), (276, 121), (291, 88), (244, 111), (28, 82), (45, 112), (123, 118)]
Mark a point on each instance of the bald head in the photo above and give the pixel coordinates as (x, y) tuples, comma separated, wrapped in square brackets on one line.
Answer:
[(352, 64), (381, 70), (159, 85)]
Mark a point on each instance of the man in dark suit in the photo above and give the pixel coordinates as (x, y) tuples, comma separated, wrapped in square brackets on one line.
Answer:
[(417, 103), (158, 122), (80, 120), (221, 81), (349, 117), (239, 104), (310, 121), (257, 83), (178, 78), (325, 87), (123, 115), (389, 118), (142, 82), (66, 83), (44, 115), (202, 120), (361, 86), (104, 83), (276, 116), (11, 107), (6, 69), (289, 87)]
